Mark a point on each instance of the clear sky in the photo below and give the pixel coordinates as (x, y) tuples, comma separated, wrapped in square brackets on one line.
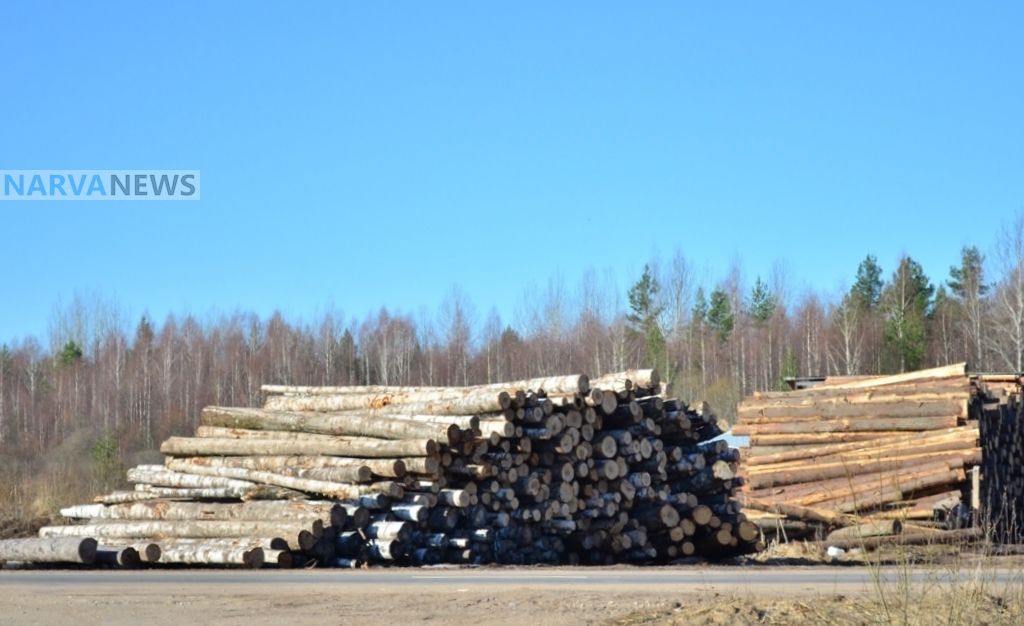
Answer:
[(376, 153)]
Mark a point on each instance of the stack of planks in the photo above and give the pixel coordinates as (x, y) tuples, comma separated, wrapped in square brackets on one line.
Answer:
[(868, 451), (558, 470)]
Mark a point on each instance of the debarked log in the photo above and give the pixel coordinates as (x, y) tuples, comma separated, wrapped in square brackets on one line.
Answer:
[(853, 424), (880, 528)]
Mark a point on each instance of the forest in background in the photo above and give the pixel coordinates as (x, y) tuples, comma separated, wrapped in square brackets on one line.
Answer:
[(131, 382)]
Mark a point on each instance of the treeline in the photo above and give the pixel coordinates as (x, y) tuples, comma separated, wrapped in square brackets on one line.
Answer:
[(719, 340)]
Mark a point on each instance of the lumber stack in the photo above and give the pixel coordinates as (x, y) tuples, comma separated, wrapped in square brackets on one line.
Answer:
[(855, 452), (558, 470)]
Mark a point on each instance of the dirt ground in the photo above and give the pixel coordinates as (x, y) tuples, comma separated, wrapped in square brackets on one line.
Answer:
[(207, 598), (512, 607)]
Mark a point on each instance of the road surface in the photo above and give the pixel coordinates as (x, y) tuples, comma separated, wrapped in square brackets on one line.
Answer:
[(431, 596)]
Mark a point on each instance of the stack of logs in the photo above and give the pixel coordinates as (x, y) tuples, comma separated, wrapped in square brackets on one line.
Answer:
[(1001, 421), (559, 470), (882, 454)]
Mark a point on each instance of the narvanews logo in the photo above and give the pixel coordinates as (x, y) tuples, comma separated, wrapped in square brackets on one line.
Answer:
[(100, 185)]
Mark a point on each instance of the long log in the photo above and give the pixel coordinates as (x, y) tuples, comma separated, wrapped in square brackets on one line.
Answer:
[(301, 390), (330, 513), (915, 439), (917, 538), (359, 447), (893, 492), (807, 494), (876, 410), (948, 371), (846, 468), (362, 469), (253, 421), (163, 477), (762, 445), (954, 392), (256, 492), (810, 514), (628, 380), (212, 554), (853, 424), (880, 528), (326, 488), (300, 535), (345, 470), (838, 464), (576, 383), (50, 550), (467, 405)]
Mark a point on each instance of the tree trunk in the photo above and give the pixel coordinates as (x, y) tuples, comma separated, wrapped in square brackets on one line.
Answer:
[(358, 447), (354, 424), (467, 405), (125, 558), (853, 424), (162, 477), (326, 488), (870, 529), (213, 554), (300, 535), (50, 550), (362, 470), (329, 512)]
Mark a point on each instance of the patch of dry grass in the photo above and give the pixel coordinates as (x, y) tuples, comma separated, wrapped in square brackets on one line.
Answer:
[(34, 487)]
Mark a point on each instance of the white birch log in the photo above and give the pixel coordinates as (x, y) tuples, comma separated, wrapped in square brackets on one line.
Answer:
[(347, 424), (80, 549), (213, 554), (300, 535), (329, 489), (330, 513), (362, 470), (167, 478), (465, 405), (359, 447)]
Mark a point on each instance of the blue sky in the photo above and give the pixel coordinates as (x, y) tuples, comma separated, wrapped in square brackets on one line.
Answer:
[(368, 154)]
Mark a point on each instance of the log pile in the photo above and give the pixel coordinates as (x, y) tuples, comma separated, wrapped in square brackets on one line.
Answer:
[(1001, 422), (559, 470), (856, 452)]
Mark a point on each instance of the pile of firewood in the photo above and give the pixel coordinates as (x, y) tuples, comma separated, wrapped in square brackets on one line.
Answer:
[(559, 470), (885, 454)]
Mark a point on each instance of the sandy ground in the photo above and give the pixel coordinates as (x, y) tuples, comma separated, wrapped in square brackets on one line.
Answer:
[(263, 605), (226, 598)]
